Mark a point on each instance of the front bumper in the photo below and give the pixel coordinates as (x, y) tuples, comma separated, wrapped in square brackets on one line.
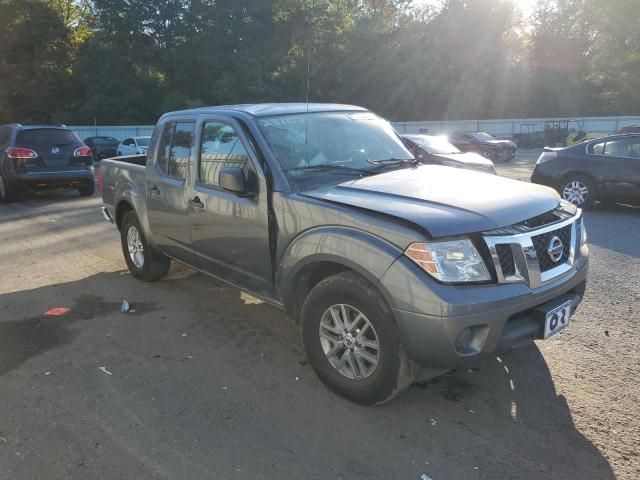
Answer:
[(430, 315)]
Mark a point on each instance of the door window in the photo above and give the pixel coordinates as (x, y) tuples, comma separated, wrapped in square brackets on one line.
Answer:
[(180, 153), (221, 147), (623, 147), (174, 151), (598, 148), (128, 142)]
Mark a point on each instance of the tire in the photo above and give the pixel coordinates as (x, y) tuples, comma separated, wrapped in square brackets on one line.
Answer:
[(8, 192), (376, 384), (151, 265), (578, 189), (88, 189)]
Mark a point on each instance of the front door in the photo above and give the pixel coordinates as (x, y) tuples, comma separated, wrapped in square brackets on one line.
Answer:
[(168, 190), (621, 168), (230, 232)]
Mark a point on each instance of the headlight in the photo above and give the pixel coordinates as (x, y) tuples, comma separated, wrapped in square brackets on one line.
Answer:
[(450, 261), (583, 232)]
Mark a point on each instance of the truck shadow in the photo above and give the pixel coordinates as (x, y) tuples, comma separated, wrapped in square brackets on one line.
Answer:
[(190, 335), (614, 227)]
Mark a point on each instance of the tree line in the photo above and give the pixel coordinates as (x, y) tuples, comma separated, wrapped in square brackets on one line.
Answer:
[(128, 61)]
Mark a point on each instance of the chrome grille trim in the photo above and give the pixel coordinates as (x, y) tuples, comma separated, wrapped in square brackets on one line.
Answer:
[(527, 264)]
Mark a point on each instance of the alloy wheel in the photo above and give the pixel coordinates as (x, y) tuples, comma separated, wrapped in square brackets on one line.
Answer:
[(575, 192), (136, 248), (349, 341)]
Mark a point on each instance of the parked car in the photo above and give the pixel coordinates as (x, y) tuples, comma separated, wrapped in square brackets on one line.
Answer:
[(629, 129), (486, 145), (606, 169), (102, 147), (36, 157), (386, 264), (438, 150), (134, 146)]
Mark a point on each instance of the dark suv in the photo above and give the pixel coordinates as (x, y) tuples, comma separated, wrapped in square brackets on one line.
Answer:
[(39, 157)]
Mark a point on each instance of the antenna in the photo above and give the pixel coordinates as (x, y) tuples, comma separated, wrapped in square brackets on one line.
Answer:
[(308, 75), (306, 119)]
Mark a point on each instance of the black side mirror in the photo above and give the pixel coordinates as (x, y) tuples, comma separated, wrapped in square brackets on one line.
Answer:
[(233, 179)]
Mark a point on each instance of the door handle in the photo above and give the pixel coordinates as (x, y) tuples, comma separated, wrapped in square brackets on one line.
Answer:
[(154, 190), (196, 202)]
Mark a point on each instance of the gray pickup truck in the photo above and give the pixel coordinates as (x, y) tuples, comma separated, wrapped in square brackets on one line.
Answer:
[(390, 267)]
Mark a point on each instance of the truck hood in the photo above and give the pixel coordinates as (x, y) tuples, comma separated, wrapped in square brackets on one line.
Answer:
[(444, 201), (467, 158), (499, 143)]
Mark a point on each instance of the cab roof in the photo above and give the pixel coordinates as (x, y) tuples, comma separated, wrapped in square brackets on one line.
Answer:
[(270, 109)]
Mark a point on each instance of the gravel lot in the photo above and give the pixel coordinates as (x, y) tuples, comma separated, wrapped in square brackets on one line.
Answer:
[(205, 382)]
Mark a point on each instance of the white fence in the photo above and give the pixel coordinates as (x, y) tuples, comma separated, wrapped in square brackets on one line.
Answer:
[(119, 132), (500, 128), (511, 127)]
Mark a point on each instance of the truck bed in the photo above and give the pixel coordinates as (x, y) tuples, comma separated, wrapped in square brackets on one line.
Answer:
[(123, 172)]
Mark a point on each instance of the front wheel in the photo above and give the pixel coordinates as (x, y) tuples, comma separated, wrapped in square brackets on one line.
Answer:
[(579, 190), (144, 262), (351, 340)]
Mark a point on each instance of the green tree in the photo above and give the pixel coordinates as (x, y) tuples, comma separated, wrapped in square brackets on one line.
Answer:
[(35, 62)]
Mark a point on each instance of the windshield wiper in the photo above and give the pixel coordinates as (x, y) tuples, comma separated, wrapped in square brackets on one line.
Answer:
[(394, 161), (341, 169)]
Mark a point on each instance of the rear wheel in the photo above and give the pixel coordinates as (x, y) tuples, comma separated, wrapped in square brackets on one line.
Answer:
[(8, 192), (87, 189), (351, 340), (144, 262), (579, 190)]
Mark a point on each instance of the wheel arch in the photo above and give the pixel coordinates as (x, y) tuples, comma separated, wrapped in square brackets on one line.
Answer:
[(322, 252), (577, 173), (123, 207)]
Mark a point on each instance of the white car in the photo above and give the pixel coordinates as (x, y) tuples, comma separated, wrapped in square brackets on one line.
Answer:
[(134, 146)]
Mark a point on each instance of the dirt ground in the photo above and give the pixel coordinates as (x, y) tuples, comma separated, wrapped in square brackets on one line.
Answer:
[(201, 381)]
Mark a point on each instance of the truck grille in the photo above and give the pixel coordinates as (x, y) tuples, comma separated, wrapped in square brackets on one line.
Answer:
[(523, 253), (507, 262), (541, 244)]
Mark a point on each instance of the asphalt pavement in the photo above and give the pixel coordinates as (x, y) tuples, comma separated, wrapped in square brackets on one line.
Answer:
[(199, 381)]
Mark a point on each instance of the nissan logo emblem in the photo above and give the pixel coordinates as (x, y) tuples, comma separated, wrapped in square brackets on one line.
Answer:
[(555, 248), (55, 150)]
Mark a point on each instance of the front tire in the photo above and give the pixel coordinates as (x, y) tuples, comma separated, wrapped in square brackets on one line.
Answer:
[(351, 340), (144, 262), (579, 190)]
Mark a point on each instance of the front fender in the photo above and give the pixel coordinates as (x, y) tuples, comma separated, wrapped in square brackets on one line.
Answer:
[(366, 254)]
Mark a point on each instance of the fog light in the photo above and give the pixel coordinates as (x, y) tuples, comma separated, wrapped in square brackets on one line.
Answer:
[(463, 342)]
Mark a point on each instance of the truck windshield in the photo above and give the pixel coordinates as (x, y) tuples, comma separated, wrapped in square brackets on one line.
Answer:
[(326, 143)]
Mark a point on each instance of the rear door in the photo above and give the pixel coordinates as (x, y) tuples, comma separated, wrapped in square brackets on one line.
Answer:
[(55, 146), (620, 168), (168, 189), (230, 232)]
